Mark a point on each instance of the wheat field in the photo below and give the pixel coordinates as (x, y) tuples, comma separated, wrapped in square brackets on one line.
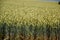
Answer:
[(29, 20)]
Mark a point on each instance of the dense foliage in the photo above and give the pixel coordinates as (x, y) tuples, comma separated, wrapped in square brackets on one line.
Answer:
[(24, 22)]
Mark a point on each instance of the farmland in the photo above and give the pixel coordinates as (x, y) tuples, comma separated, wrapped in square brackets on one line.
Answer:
[(29, 20)]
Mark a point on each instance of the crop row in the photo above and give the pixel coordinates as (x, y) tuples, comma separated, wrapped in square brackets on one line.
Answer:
[(20, 22), (29, 15), (13, 32)]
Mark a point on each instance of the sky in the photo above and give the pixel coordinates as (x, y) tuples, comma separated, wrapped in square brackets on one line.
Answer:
[(50, 0)]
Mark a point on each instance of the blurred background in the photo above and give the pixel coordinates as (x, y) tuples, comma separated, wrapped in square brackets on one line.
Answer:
[(50, 0)]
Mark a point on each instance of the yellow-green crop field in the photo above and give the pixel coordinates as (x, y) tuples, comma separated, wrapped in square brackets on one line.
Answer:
[(29, 19)]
